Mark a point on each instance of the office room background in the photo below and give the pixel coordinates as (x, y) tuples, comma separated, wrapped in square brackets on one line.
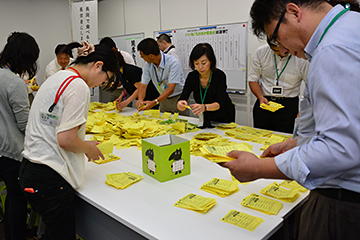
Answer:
[(49, 22)]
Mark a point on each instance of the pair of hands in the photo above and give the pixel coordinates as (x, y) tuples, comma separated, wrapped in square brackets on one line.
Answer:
[(121, 104), (196, 108), (248, 167), (145, 105)]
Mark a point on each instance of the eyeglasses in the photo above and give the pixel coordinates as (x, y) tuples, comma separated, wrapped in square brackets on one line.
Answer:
[(107, 75), (273, 40)]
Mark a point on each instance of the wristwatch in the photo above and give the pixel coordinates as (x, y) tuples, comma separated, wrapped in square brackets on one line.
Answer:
[(157, 102)]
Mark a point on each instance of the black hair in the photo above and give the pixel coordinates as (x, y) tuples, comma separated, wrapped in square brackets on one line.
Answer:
[(67, 49), (108, 41), (148, 46), (199, 50), (20, 53), (164, 37), (119, 57), (264, 11), (108, 57)]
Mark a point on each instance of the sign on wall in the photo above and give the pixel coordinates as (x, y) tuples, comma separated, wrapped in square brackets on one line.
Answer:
[(229, 42), (84, 27)]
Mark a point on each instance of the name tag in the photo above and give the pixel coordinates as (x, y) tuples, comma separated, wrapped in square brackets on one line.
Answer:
[(277, 91), (49, 119)]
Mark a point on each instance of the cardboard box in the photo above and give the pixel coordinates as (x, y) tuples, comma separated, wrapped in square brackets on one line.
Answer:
[(166, 157)]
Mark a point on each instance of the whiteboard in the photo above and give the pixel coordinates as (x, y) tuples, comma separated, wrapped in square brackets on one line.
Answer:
[(128, 43), (229, 42)]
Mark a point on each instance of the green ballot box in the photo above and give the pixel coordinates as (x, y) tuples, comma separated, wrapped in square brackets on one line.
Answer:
[(166, 157)]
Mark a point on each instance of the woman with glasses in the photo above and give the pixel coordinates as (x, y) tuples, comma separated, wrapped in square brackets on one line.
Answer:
[(54, 145)]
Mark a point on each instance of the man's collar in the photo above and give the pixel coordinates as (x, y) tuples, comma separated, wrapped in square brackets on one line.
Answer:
[(313, 42)]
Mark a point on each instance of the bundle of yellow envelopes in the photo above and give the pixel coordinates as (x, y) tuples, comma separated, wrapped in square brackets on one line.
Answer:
[(242, 220), (122, 180), (276, 191), (220, 187), (272, 107), (262, 204), (196, 203)]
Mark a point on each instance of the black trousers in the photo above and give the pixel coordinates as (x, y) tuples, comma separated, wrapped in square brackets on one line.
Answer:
[(15, 203), (53, 199), (326, 218), (281, 120)]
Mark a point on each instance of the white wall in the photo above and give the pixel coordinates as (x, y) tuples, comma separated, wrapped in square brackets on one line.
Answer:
[(48, 21), (121, 17)]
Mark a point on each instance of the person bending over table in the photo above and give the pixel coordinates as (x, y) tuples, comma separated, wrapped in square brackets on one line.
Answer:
[(208, 85), (55, 146), (130, 80), (165, 72)]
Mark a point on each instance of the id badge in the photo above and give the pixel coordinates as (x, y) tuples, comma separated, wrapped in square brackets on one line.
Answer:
[(49, 118), (277, 91), (163, 87)]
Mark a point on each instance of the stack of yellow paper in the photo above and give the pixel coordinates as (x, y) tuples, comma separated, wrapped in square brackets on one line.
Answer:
[(218, 154), (196, 144), (292, 185), (262, 204), (272, 107), (206, 136), (220, 187), (196, 203), (242, 220), (122, 180), (275, 191), (108, 158), (227, 126)]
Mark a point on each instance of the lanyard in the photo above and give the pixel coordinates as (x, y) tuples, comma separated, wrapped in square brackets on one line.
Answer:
[(157, 78), (202, 97), (347, 8), (122, 83), (8, 66), (277, 74), (62, 88)]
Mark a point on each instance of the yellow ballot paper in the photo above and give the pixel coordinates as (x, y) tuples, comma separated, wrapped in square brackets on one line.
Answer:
[(108, 158), (272, 107), (220, 187), (166, 115), (274, 190), (292, 185), (218, 153), (196, 203), (242, 220), (227, 126), (122, 180), (106, 147), (262, 204)]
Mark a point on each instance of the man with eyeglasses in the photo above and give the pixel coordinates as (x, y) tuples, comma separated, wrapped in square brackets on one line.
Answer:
[(325, 157), (276, 77)]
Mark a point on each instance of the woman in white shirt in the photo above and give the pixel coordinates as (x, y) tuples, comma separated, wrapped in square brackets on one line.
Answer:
[(54, 145)]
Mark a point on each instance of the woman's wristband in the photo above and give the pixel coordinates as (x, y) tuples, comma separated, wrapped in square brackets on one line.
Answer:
[(205, 108)]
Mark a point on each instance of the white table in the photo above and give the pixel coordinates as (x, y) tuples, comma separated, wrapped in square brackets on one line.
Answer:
[(145, 209)]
